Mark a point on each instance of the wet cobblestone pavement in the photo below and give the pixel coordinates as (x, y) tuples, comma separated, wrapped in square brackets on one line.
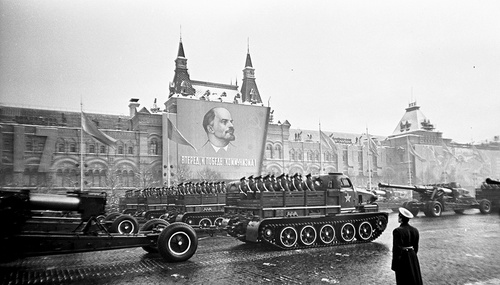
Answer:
[(455, 249)]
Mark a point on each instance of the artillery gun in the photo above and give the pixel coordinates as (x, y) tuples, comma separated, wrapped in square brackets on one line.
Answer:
[(434, 199), (291, 213), (490, 189), (25, 233)]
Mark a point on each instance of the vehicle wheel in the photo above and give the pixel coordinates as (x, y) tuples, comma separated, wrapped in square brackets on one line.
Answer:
[(205, 223), (381, 223), (112, 216), (178, 242), (307, 235), (485, 206), (125, 224), (154, 225), (461, 211), (288, 237), (267, 233), (218, 222), (327, 234), (435, 209), (365, 231), (100, 219), (347, 232)]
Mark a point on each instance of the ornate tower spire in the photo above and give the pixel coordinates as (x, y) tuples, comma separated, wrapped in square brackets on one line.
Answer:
[(181, 83), (249, 90)]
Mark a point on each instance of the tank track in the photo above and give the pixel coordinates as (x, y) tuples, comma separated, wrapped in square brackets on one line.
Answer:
[(378, 222), (194, 219)]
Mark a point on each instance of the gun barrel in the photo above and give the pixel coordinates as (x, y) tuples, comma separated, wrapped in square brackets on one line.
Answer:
[(53, 202), (491, 181), (405, 187)]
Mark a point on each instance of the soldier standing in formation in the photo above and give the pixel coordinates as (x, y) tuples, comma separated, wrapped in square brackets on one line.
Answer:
[(404, 251)]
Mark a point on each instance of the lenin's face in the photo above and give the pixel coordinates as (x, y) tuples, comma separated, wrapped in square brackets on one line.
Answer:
[(222, 126)]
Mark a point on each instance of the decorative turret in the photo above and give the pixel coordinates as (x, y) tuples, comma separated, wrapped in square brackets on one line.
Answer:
[(250, 92), (413, 120), (181, 83)]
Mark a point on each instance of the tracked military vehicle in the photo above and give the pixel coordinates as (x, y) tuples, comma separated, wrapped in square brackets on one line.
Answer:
[(490, 190), (290, 213), (198, 204), (436, 198)]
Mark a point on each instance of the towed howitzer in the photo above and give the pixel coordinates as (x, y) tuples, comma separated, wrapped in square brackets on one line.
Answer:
[(436, 199), (490, 189), (27, 233)]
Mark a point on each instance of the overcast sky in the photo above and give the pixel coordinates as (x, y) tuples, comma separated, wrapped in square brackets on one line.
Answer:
[(350, 64)]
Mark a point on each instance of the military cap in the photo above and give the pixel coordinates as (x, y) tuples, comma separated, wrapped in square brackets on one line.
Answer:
[(405, 213)]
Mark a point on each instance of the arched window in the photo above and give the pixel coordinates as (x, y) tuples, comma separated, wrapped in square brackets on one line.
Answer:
[(130, 150), (309, 155), (59, 178), (269, 151), (72, 147), (153, 147), (120, 149), (292, 154), (60, 147), (316, 155), (277, 150), (299, 155), (91, 148), (29, 146), (102, 149)]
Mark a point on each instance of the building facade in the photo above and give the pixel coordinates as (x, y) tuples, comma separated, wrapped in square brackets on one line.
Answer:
[(44, 149)]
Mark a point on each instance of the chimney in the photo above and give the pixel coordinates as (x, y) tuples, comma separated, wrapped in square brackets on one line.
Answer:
[(134, 104)]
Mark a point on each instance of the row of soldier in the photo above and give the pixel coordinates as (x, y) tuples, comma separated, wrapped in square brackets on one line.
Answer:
[(272, 183), (183, 188)]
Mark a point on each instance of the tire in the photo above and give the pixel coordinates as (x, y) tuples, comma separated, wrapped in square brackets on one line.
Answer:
[(347, 232), (365, 231), (125, 224), (327, 234), (178, 242), (308, 235), (288, 237), (112, 216), (154, 225), (485, 206), (435, 209), (101, 218)]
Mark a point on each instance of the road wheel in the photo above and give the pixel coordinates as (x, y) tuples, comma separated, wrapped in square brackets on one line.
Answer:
[(347, 232), (267, 233), (205, 223), (218, 222), (288, 237), (154, 225), (124, 224), (307, 235), (365, 231), (327, 234), (485, 206), (178, 242), (435, 209)]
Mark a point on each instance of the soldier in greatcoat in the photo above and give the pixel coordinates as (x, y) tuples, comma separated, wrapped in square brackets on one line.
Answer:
[(404, 251)]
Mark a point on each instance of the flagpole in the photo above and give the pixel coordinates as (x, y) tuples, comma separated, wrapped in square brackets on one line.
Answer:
[(320, 151), (408, 156), (168, 154), (81, 145), (369, 160)]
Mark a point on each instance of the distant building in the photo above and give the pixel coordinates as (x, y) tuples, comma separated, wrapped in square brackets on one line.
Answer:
[(42, 149)]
